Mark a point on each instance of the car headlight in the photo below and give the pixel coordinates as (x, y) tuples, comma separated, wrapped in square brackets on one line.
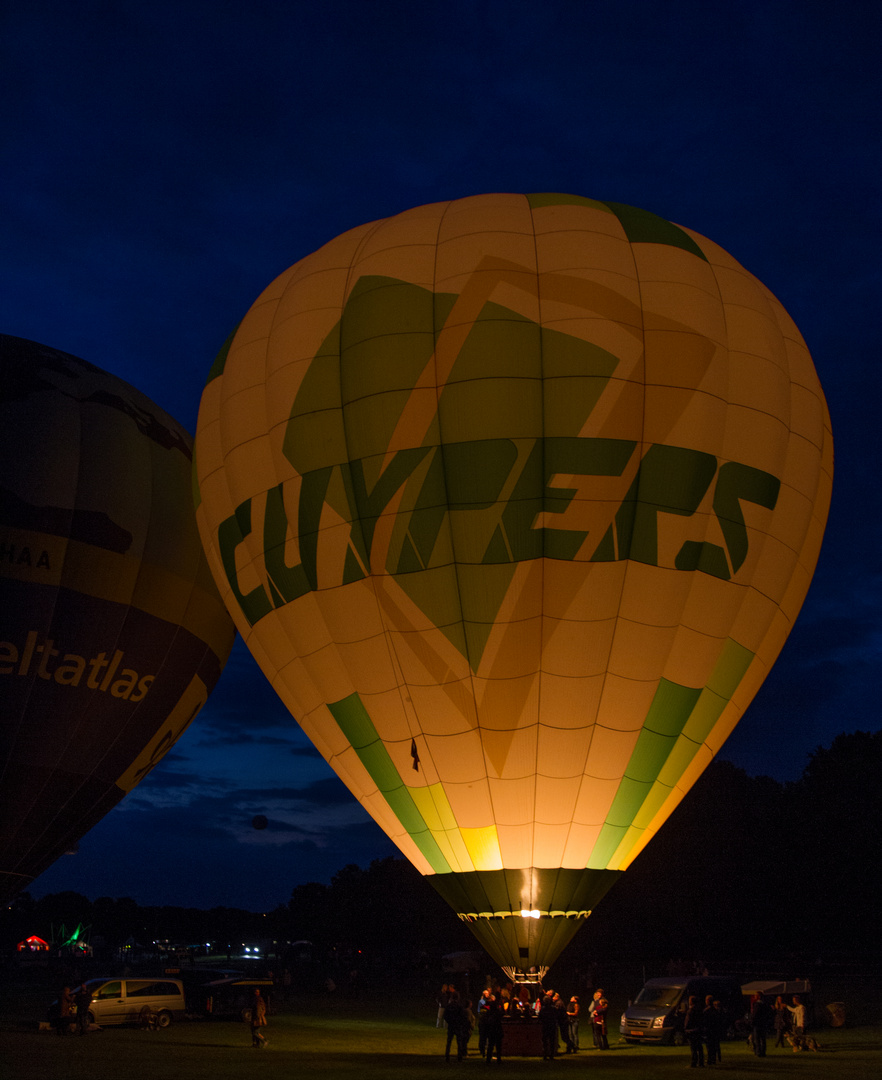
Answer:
[(658, 1022)]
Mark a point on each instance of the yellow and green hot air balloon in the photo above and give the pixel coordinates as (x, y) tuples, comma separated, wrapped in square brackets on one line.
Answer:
[(112, 632), (515, 499)]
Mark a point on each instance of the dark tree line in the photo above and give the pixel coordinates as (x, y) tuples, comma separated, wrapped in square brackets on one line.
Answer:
[(111, 923), (745, 869)]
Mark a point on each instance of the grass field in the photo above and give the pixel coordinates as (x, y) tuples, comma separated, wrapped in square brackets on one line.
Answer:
[(332, 1037)]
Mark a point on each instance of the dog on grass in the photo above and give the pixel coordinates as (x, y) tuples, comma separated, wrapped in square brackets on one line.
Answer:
[(803, 1042)]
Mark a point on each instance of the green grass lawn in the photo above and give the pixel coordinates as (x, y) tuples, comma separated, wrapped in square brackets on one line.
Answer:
[(367, 1041)]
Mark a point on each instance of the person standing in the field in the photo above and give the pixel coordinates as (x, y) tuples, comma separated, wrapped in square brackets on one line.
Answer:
[(258, 1019)]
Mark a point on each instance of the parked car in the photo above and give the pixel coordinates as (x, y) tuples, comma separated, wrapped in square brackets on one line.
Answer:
[(157, 1000), (656, 1014)]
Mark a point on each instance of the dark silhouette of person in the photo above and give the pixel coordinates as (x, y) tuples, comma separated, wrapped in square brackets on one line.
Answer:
[(759, 1023), (781, 1021), (443, 999), (65, 1011), (548, 1018), (82, 1001), (494, 1029), (563, 1022), (693, 1026), (714, 1029), (458, 1028)]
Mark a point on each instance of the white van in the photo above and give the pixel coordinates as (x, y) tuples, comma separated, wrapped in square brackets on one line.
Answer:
[(134, 1001), (656, 1014)]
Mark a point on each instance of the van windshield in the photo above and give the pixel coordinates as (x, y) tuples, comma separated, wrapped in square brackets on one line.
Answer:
[(661, 997)]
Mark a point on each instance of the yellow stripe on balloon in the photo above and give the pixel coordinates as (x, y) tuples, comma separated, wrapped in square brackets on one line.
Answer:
[(483, 847), (433, 804)]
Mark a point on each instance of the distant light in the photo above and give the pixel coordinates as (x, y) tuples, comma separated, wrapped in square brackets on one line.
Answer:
[(525, 914)]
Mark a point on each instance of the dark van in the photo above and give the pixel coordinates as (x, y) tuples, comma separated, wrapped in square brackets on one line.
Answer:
[(228, 996), (656, 1014)]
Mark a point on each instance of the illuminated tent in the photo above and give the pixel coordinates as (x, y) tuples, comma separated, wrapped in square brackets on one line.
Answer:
[(75, 942), (112, 633), (514, 500), (33, 944)]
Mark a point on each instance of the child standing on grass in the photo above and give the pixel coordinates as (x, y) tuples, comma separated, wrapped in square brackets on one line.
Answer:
[(258, 1020)]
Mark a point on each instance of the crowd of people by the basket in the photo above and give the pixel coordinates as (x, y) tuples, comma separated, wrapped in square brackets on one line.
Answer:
[(558, 1019), (704, 1023)]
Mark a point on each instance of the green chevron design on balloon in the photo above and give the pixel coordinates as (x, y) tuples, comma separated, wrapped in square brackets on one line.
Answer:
[(641, 226), (557, 198), (644, 227), (351, 401)]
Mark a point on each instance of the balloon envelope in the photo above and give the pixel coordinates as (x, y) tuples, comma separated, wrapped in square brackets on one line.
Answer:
[(112, 633), (515, 500)]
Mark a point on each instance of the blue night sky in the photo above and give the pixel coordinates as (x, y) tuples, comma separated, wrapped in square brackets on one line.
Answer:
[(163, 162)]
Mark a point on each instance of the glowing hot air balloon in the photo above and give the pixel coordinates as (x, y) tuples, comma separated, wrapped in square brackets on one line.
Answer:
[(515, 500), (112, 633)]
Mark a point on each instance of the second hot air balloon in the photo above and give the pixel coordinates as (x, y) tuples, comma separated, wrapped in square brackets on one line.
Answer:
[(112, 633), (515, 500)]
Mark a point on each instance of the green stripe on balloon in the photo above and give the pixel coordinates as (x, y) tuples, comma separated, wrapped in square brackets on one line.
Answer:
[(679, 720), (355, 723), (668, 715)]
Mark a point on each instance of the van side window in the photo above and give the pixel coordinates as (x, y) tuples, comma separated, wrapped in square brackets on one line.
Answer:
[(151, 989), (109, 990)]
